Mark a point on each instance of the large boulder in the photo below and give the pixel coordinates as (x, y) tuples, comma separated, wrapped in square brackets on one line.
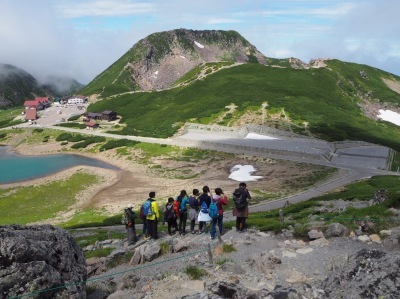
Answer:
[(369, 273), (39, 260)]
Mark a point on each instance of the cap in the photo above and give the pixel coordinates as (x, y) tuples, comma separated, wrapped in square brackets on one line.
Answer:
[(130, 206)]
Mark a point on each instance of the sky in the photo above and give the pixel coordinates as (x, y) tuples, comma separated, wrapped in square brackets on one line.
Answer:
[(81, 38)]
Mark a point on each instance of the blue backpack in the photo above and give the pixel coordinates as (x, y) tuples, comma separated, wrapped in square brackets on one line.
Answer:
[(147, 208), (213, 210), (204, 208), (183, 205)]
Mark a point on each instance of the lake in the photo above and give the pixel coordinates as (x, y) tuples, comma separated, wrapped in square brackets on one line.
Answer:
[(18, 168)]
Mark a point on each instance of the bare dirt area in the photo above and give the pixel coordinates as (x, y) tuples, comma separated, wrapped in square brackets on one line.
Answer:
[(167, 176)]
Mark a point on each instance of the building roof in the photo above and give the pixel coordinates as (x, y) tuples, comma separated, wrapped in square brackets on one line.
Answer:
[(91, 124), (107, 112), (31, 103)]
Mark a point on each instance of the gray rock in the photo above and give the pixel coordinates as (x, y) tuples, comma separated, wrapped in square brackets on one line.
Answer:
[(180, 245), (35, 258), (152, 251), (368, 274), (336, 230), (117, 252), (315, 234)]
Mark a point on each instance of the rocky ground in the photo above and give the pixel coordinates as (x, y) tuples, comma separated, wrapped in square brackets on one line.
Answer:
[(263, 265)]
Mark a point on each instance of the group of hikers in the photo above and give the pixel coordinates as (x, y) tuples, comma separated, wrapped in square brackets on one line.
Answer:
[(203, 208)]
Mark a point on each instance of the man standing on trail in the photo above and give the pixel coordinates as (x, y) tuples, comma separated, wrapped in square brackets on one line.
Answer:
[(241, 210), (152, 220), (130, 224)]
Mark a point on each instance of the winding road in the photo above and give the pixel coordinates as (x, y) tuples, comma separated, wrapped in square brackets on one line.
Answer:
[(355, 162)]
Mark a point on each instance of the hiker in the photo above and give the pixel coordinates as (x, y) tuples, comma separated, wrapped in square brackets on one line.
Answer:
[(220, 199), (130, 224), (194, 205), (170, 216), (183, 200), (143, 217), (152, 215), (205, 201), (241, 209)]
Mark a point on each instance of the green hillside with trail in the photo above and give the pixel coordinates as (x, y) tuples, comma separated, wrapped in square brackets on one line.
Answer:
[(328, 99)]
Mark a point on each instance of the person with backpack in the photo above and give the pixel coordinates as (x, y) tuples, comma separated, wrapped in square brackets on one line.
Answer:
[(152, 215), (129, 220), (194, 205), (241, 209), (183, 200), (170, 216), (205, 201), (142, 216), (216, 211)]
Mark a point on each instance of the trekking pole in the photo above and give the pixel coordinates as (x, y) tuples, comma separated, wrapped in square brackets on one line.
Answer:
[(210, 258)]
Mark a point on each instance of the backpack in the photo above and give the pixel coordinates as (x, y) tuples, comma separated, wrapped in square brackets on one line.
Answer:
[(213, 210), (142, 215), (204, 208), (239, 198), (124, 219), (147, 209), (183, 207), (169, 213)]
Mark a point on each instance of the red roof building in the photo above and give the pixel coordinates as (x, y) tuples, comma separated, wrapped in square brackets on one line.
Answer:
[(30, 114)]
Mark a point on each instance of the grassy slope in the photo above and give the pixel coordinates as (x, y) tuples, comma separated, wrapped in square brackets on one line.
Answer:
[(306, 95), (24, 205)]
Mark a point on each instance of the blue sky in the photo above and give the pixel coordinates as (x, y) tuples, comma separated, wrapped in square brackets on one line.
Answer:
[(81, 38)]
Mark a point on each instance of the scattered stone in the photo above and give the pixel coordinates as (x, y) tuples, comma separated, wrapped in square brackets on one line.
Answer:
[(180, 246), (296, 277), (320, 242), (336, 230), (304, 250), (375, 238), (385, 232), (289, 254), (364, 239), (315, 234)]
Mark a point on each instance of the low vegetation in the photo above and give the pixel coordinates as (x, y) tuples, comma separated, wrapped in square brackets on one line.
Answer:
[(23, 205), (195, 272), (300, 214)]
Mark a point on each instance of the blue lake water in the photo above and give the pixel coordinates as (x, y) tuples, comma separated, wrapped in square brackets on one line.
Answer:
[(17, 168)]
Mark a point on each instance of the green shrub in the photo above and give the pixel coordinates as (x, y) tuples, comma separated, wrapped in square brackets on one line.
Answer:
[(164, 248), (195, 272), (64, 137), (228, 248), (76, 138), (114, 143), (38, 130), (75, 117), (103, 252), (64, 143), (3, 135), (72, 125), (87, 141)]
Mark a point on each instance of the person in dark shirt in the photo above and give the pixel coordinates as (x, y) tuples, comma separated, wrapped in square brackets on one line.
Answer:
[(204, 197)]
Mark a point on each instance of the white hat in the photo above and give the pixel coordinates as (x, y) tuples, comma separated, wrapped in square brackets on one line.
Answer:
[(130, 206)]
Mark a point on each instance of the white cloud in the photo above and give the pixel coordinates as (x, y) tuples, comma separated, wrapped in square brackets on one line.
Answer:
[(105, 8), (223, 21), (81, 38)]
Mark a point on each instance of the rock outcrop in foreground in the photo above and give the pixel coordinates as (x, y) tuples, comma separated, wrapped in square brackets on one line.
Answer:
[(36, 258)]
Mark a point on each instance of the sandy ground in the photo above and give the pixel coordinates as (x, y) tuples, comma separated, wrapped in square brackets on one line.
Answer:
[(164, 176)]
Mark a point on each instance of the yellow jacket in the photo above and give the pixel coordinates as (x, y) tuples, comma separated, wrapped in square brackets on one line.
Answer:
[(156, 211)]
